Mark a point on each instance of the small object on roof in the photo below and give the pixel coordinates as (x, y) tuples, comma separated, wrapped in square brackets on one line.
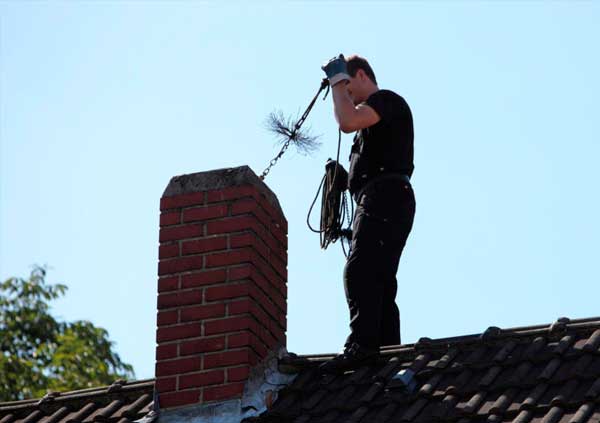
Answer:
[(490, 333), (423, 343), (560, 325), (116, 385), (406, 376), (49, 397)]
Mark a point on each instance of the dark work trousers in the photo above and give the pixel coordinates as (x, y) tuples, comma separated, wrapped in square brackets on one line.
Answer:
[(382, 221)]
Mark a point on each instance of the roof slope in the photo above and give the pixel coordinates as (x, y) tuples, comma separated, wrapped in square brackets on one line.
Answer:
[(537, 374), (120, 402)]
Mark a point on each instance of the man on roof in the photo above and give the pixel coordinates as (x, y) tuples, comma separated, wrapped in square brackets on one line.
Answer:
[(381, 164)]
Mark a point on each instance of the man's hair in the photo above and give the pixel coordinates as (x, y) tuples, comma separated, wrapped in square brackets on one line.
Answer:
[(356, 62)]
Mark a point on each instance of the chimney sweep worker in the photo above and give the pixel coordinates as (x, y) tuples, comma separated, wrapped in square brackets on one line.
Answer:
[(381, 164)]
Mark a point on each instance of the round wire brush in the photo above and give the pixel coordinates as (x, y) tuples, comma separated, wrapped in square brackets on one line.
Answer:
[(288, 130)]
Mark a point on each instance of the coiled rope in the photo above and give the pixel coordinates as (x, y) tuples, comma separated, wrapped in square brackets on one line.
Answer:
[(334, 205)]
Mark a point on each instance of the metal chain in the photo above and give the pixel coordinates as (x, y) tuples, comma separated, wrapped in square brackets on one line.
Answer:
[(345, 201), (324, 84), (274, 160)]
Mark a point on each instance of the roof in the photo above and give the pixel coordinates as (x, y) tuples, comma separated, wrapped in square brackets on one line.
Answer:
[(536, 374), (121, 402)]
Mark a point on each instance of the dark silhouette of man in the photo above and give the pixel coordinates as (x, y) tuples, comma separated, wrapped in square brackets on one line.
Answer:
[(381, 164)]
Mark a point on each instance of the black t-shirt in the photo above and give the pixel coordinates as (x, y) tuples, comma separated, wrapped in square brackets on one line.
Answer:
[(387, 146)]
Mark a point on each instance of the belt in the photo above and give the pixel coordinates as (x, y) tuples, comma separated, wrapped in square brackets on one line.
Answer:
[(381, 177)]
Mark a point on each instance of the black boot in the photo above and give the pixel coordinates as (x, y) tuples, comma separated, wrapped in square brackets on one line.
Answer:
[(353, 356)]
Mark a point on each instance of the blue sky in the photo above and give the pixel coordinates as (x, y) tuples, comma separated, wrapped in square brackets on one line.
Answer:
[(101, 103)]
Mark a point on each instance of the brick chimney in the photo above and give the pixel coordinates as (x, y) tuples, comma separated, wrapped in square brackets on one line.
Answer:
[(222, 290)]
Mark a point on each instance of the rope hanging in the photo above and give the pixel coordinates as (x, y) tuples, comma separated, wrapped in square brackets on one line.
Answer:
[(334, 205)]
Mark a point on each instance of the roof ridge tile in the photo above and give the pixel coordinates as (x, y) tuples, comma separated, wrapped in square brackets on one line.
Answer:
[(582, 413)]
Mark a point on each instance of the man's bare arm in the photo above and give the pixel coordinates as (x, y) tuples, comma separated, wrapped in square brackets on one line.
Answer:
[(349, 117)]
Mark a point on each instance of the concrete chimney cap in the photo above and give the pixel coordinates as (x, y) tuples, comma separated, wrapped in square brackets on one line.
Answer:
[(219, 179)]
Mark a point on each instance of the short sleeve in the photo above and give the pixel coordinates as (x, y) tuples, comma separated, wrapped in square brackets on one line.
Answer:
[(381, 102)]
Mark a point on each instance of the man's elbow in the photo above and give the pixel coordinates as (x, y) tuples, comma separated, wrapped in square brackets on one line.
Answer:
[(346, 129), (347, 126)]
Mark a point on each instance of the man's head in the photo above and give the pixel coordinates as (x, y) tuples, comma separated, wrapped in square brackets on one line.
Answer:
[(362, 79)]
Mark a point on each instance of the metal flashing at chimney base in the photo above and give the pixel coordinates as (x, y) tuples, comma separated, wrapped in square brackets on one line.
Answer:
[(260, 392)]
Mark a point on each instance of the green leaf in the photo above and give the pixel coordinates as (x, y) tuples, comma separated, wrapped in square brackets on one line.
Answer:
[(40, 353)]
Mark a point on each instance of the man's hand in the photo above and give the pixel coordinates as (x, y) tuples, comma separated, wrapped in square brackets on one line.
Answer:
[(336, 70)]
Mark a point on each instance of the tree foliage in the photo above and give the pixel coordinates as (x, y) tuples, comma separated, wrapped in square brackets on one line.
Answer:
[(39, 353)]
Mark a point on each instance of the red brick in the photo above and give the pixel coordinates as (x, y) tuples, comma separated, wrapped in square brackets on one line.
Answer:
[(202, 312), (203, 245), (264, 300), (279, 224), (235, 224), (249, 239), (165, 384), (196, 380), (228, 324), (279, 266), (263, 217), (247, 339), (279, 234), (184, 200), (166, 351), (203, 278), (265, 294), (267, 323), (231, 193), (182, 365), (178, 265), (222, 292), (253, 207), (274, 212), (277, 249), (245, 205), (236, 374), (204, 213), (259, 347), (282, 319), (230, 257), (166, 317), (173, 233), (222, 392), (180, 298), (170, 218), (202, 345), (168, 250), (171, 333), (179, 398), (236, 340), (240, 272), (226, 358), (267, 271), (264, 335), (168, 284), (239, 307)]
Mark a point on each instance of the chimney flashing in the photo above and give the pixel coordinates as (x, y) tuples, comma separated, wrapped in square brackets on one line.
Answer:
[(260, 392)]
